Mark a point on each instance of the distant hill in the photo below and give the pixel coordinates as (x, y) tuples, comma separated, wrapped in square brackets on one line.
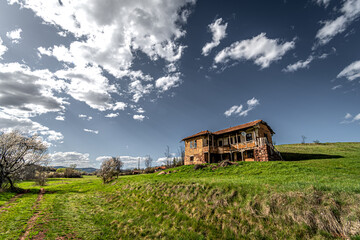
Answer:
[(88, 170)]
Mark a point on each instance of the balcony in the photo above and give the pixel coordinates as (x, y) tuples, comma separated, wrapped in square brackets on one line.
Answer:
[(238, 146)]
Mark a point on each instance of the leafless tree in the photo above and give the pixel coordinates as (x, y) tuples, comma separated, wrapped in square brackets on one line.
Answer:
[(148, 161), (167, 155), (182, 154), (16, 152), (303, 139), (110, 169)]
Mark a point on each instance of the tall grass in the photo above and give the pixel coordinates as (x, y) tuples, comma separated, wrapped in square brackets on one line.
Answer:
[(303, 199)]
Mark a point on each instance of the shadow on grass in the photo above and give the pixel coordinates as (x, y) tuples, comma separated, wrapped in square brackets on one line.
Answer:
[(287, 156)]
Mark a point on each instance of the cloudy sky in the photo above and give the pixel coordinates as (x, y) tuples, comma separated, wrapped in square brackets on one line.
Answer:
[(127, 78)]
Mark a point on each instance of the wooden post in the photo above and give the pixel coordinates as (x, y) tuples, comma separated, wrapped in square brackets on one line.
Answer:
[(209, 148)]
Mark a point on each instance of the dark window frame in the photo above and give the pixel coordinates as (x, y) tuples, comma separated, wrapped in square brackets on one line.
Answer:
[(249, 137)]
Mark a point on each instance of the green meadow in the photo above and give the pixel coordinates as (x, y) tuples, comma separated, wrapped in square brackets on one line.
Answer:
[(314, 194)]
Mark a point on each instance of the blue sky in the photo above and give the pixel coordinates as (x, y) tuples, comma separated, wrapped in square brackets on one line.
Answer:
[(127, 78)]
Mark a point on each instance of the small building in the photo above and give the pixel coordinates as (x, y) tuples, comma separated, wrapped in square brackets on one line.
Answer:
[(246, 142)]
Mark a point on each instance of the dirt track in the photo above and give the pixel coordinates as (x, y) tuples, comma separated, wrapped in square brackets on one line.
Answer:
[(7, 205), (31, 223)]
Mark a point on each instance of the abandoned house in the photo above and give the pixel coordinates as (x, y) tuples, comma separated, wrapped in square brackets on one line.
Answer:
[(246, 142)]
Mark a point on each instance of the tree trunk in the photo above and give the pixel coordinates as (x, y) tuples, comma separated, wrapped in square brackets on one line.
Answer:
[(11, 183)]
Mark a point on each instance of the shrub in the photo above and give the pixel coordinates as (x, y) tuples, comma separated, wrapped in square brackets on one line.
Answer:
[(72, 173), (149, 170), (40, 178), (110, 169), (199, 166)]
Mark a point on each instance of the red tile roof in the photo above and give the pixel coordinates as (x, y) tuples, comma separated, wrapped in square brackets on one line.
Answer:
[(197, 134), (231, 129)]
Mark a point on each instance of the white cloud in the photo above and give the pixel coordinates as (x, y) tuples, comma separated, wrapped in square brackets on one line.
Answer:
[(262, 50), (167, 82), (112, 115), (348, 116), (350, 12), (24, 92), (298, 65), (240, 111), (88, 85), (85, 117), (324, 3), (107, 39), (336, 87), (357, 117), (3, 48), (102, 158), (306, 64), (119, 106), (14, 35), (107, 36), (139, 90), (129, 161), (91, 131), (60, 118), (140, 110), (163, 160), (351, 72), (68, 158), (218, 30), (83, 160), (139, 117), (350, 119), (27, 126)]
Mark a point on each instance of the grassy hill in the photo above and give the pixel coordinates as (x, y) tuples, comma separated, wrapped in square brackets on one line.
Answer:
[(314, 194)]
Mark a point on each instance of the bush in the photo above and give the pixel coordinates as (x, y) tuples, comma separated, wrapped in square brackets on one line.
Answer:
[(149, 170), (72, 173), (40, 178), (199, 166), (110, 169)]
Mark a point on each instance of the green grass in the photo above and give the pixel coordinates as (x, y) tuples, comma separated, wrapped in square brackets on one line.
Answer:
[(316, 198)]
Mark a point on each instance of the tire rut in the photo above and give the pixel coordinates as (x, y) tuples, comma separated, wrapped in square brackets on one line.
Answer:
[(31, 223), (8, 205)]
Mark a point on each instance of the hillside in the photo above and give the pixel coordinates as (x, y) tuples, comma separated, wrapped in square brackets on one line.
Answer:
[(315, 194)]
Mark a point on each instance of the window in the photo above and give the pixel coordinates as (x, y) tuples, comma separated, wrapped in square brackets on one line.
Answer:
[(193, 144), (249, 137), (220, 143), (231, 140), (226, 141), (239, 139), (249, 153), (191, 158), (266, 136), (206, 142)]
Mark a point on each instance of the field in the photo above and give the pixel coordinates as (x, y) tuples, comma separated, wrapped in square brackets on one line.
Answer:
[(316, 195)]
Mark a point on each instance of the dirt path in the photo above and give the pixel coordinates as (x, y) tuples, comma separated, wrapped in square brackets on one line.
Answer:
[(32, 220), (7, 205)]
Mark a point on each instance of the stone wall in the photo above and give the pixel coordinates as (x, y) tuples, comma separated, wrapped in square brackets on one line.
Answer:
[(265, 153), (261, 154)]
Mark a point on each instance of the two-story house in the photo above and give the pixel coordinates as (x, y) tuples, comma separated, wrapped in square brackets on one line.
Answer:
[(246, 142)]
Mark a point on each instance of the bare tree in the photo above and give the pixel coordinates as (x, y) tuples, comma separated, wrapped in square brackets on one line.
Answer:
[(110, 168), (148, 161), (303, 139), (167, 156), (17, 151), (182, 154)]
